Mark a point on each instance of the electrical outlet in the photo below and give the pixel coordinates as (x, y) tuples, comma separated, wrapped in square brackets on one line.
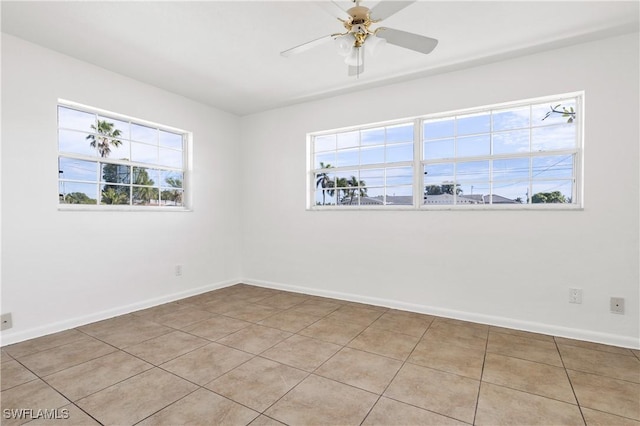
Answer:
[(575, 295), (617, 305), (6, 321), (178, 270)]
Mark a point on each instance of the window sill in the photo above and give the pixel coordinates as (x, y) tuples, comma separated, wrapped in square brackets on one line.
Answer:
[(95, 208)]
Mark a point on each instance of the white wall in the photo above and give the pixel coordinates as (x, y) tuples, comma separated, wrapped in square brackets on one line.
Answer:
[(63, 268), (511, 268)]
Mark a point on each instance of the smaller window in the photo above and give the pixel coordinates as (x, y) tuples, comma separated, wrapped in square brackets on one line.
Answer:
[(110, 160)]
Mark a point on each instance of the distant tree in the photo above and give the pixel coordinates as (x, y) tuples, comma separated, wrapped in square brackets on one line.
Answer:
[(174, 195), (146, 192), (336, 187), (356, 188), (106, 137), (548, 197), (570, 114), (446, 188), (518, 200), (78, 198), (111, 195), (323, 180)]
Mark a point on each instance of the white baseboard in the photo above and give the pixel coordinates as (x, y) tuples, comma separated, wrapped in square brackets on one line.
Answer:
[(535, 327), (7, 338)]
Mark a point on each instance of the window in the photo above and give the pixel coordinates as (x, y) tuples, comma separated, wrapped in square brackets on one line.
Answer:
[(521, 154), (107, 159)]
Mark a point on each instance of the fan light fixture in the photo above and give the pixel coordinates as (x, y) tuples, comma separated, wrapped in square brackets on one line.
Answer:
[(357, 21)]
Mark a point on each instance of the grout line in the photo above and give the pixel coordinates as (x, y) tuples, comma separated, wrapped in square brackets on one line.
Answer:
[(566, 372)]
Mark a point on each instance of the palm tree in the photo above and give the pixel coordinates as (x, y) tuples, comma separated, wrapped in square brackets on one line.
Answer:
[(111, 196), (143, 193), (337, 186), (322, 180), (106, 136), (357, 187), (174, 195)]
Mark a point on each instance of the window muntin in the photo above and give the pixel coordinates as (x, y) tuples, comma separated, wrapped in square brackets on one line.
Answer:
[(364, 167), (511, 155), (112, 160)]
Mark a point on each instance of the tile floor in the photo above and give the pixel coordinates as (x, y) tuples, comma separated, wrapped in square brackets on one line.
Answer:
[(249, 355)]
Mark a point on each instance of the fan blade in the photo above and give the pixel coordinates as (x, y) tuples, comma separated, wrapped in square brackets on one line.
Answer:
[(306, 46), (407, 40), (384, 9), (334, 9)]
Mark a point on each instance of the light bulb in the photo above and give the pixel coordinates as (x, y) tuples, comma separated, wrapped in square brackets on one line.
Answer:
[(355, 57), (374, 44), (344, 44)]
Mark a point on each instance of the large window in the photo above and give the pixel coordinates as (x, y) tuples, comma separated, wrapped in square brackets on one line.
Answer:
[(111, 160), (521, 154)]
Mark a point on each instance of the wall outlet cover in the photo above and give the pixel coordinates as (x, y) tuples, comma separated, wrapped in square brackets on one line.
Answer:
[(617, 305)]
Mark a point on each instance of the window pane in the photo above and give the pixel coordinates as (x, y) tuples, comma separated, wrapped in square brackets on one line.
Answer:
[(114, 194), (552, 191), (511, 169), (325, 197), (399, 176), (324, 180), (372, 155), (553, 137), (75, 143), (539, 111), (438, 173), (400, 133), (513, 142), (143, 153), (145, 196), (399, 195), (374, 197), (510, 192), (472, 170), (115, 173), (556, 166), (171, 197), (395, 153), (170, 140), (170, 158), (473, 146), (372, 177), (325, 160), (170, 178), (324, 143), (348, 157), (472, 193), (473, 123), (144, 134), (438, 149), (372, 136), (119, 149), (348, 139), (512, 118), (118, 128), (77, 193), (69, 168), (439, 128), (145, 176), (69, 118)]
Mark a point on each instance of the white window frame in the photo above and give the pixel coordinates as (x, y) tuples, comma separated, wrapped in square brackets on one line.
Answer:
[(187, 140), (418, 161)]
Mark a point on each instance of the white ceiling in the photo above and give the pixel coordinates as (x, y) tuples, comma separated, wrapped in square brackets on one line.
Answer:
[(226, 54)]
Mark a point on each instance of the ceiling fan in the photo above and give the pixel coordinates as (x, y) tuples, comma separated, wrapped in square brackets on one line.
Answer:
[(359, 36)]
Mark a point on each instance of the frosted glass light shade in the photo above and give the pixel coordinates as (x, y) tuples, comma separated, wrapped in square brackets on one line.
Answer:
[(344, 44), (355, 57), (374, 43)]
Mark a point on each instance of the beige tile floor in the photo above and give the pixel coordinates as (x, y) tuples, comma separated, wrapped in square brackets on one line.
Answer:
[(248, 355)]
